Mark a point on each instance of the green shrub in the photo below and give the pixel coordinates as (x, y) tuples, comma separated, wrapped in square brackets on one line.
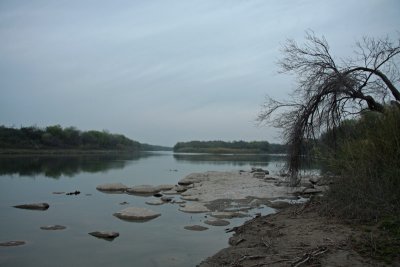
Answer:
[(367, 163)]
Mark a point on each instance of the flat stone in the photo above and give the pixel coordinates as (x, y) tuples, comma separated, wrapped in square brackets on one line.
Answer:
[(217, 222), (53, 227), (180, 188), (165, 187), (143, 189), (12, 243), (194, 208), (178, 201), (105, 234), (136, 214), (155, 202), (228, 214), (189, 198), (166, 199), (112, 187), (195, 228), (193, 178), (33, 206), (170, 192)]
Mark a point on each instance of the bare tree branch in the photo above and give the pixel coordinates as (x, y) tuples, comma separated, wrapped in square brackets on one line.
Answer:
[(328, 92)]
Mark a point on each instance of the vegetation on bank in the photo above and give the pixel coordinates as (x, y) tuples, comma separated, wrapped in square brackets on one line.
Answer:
[(235, 147), (347, 112), (365, 157), (56, 138)]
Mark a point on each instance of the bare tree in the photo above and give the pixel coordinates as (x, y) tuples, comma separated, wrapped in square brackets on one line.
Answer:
[(331, 90)]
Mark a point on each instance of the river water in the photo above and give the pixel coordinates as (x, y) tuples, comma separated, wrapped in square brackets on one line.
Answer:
[(159, 242)]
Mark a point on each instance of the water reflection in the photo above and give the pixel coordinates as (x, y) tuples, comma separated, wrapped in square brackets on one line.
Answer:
[(55, 166), (232, 159)]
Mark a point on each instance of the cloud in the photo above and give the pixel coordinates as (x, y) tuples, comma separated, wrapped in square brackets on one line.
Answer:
[(162, 71)]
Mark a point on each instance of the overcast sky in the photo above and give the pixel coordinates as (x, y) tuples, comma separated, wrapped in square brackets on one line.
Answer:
[(164, 71)]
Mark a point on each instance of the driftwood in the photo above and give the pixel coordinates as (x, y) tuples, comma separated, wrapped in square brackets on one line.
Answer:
[(309, 256)]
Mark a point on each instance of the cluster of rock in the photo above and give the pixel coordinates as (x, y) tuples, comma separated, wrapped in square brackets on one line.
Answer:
[(222, 195)]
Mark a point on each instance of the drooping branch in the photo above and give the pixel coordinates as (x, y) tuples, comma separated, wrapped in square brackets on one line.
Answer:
[(327, 92)]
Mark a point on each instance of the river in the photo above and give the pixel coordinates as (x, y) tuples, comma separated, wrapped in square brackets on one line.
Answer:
[(159, 242)]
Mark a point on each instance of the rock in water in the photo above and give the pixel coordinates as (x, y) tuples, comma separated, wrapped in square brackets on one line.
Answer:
[(113, 187), (33, 206), (194, 208), (105, 235), (53, 227), (12, 243), (143, 190), (156, 201), (195, 228), (165, 187), (193, 178), (136, 214), (217, 222), (228, 214)]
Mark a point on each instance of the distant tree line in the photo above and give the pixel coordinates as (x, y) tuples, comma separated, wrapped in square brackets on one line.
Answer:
[(229, 147), (147, 147), (57, 137)]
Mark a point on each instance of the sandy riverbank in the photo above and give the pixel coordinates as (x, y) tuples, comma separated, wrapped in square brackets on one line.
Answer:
[(294, 236)]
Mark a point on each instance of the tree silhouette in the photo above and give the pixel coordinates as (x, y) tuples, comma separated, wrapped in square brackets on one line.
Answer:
[(330, 90)]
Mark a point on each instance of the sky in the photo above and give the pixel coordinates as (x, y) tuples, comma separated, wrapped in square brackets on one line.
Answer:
[(162, 71)]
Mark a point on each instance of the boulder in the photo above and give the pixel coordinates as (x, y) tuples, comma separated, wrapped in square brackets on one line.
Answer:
[(53, 227), (136, 214), (105, 235), (33, 206), (143, 190), (217, 222), (12, 243), (194, 208), (195, 228), (112, 187)]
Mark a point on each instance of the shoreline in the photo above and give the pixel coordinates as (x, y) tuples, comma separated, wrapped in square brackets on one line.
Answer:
[(294, 236), (33, 152)]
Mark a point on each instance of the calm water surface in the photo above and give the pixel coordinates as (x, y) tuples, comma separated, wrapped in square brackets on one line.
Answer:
[(160, 242)]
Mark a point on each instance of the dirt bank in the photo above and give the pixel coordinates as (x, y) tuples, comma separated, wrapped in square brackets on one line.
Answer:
[(295, 236)]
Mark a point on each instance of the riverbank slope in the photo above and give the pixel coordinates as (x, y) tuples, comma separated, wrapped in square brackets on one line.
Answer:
[(294, 236)]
